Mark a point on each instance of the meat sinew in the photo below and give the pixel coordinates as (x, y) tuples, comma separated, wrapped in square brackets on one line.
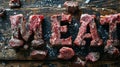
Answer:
[(93, 56), (57, 29), (66, 53), (14, 4), (72, 7), (36, 27), (38, 54)]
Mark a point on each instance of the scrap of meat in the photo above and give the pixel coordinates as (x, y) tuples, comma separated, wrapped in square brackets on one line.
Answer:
[(14, 4), (36, 26), (38, 54), (17, 30), (78, 63), (56, 29), (72, 7), (66, 53), (55, 36), (110, 18), (95, 37), (67, 41), (109, 48), (66, 17), (92, 56), (112, 21), (13, 42), (85, 21), (63, 29), (16, 20)]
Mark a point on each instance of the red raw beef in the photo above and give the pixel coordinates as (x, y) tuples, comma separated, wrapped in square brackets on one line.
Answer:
[(86, 20), (66, 17), (67, 41), (93, 56), (17, 22), (36, 26), (112, 21), (55, 36), (66, 53), (109, 48), (78, 63), (13, 42), (38, 54), (56, 29), (63, 29)]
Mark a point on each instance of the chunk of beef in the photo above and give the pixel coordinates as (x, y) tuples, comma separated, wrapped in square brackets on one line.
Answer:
[(85, 20), (14, 4), (93, 56), (67, 41), (56, 29), (55, 36), (14, 42), (17, 30), (66, 17), (110, 18), (78, 63), (112, 21), (66, 53), (95, 37), (72, 7), (38, 54), (63, 29), (36, 26), (109, 48)]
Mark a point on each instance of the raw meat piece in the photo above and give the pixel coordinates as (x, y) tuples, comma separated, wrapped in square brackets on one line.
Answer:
[(93, 56), (66, 17), (36, 27), (67, 41), (88, 35), (35, 22), (63, 29), (55, 36), (95, 37), (13, 42), (78, 63), (72, 7), (110, 18), (85, 20), (14, 4), (56, 29), (16, 20), (38, 54), (109, 48), (66, 53), (17, 29), (112, 21)]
